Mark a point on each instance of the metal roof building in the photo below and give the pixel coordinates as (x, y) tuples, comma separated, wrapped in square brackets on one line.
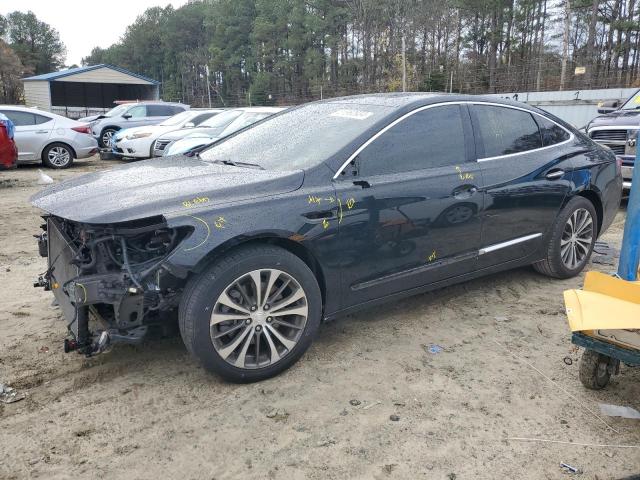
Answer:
[(84, 90)]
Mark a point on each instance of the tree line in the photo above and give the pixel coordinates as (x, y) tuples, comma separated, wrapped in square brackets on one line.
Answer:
[(239, 52), (28, 46)]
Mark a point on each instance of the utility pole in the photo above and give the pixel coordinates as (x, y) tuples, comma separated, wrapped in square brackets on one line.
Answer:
[(208, 85), (565, 42), (404, 65)]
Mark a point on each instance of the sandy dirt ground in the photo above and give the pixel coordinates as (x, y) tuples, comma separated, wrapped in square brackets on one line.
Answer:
[(151, 412)]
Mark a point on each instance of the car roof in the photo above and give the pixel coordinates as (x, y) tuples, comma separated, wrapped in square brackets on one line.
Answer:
[(416, 99)]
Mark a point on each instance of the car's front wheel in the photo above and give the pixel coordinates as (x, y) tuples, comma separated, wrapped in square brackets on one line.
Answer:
[(252, 313), (572, 239), (106, 137), (57, 155)]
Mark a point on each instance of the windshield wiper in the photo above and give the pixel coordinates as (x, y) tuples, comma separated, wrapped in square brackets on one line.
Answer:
[(239, 164)]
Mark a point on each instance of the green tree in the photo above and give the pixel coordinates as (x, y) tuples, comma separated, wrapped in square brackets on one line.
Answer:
[(36, 43)]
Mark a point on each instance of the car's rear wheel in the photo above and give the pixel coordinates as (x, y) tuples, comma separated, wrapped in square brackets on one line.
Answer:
[(106, 137), (251, 314), (572, 239), (57, 155)]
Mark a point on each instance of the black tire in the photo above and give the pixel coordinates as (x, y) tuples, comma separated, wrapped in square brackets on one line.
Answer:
[(594, 370), (58, 156), (105, 133), (553, 265), (203, 291)]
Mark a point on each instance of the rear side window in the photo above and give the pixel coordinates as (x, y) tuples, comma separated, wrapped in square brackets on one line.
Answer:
[(162, 110), (20, 119), (430, 138), (504, 130), (551, 132), (41, 119)]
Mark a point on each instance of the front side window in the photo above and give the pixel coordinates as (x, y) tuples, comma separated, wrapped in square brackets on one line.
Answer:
[(138, 111), (552, 133), (430, 138), (504, 130)]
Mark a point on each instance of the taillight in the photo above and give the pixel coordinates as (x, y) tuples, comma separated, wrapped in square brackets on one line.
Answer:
[(82, 129)]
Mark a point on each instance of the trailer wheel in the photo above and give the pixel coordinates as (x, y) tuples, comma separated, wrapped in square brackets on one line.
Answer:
[(594, 370)]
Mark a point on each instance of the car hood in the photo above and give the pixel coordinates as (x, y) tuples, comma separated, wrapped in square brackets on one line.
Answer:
[(187, 143), (90, 118), (617, 118), (159, 187)]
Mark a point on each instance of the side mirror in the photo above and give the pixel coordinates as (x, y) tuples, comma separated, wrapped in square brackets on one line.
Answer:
[(608, 106), (189, 125), (126, 116)]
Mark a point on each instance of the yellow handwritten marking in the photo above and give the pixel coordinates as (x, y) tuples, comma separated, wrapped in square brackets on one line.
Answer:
[(325, 223), (432, 257), (464, 175), (195, 201), (331, 199), (220, 222), (314, 199), (351, 203), (340, 211), (205, 239)]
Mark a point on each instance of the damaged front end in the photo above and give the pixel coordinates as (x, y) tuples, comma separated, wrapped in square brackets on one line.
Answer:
[(113, 274)]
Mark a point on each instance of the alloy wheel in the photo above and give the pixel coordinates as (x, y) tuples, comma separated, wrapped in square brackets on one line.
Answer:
[(259, 318), (577, 238), (107, 138), (59, 156)]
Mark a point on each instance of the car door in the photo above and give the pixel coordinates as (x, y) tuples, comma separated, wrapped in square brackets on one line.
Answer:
[(409, 205), (136, 116), (526, 178), (31, 132)]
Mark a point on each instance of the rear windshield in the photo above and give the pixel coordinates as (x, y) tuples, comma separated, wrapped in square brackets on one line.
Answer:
[(299, 138)]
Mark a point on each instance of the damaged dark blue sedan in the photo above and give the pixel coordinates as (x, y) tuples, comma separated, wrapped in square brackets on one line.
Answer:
[(316, 212)]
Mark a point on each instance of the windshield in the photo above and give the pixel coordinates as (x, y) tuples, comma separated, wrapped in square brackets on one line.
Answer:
[(119, 110), (633, 103), (244, 120), (222, 119), (299, 138), (177, 119)]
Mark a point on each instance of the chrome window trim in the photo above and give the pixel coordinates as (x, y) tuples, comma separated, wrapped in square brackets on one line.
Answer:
[(611, 127), (455, 102), (508, 243)]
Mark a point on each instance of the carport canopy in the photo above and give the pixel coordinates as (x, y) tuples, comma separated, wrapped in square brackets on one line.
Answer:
[(96, 86)]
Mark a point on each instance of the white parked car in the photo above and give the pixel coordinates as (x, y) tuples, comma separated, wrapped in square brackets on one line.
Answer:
[(52, 139), (213, 129), (137, 142)]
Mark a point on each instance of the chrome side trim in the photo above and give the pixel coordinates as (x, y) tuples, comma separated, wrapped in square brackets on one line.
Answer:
[(508, 243), (626, 185), (463, 102)]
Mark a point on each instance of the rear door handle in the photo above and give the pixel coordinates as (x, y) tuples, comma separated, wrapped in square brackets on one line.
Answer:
[(465, 191), (42, 131), (555, 174)]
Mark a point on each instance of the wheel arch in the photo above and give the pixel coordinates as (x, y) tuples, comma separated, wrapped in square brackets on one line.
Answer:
[(286, 243), (595, 200)]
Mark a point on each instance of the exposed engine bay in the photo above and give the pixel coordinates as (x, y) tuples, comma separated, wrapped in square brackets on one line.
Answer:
[(113, 274)]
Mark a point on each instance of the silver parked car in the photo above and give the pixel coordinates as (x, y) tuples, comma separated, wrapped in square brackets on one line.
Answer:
[(130, 115), (52, 139), (214, 127)]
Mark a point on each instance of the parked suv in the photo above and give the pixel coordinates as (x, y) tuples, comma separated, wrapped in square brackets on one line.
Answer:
[(323, 209), (617, 129), (130, 115)]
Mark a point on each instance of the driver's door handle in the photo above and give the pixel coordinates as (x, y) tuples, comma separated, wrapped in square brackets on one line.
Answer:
[(555, 174)]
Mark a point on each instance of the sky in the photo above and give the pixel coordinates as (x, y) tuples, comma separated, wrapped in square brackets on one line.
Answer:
[(84, 24)]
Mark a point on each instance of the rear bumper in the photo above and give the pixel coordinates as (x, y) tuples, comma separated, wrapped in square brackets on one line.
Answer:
[(84, 145)]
